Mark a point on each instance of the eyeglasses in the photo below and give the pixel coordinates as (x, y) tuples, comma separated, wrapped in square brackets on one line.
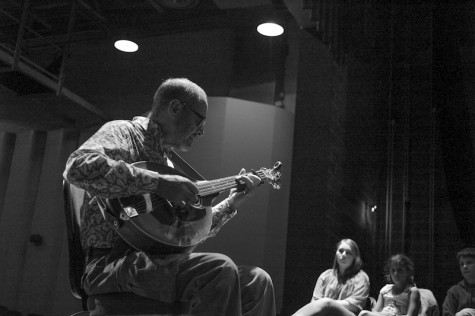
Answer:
[(202, 118)]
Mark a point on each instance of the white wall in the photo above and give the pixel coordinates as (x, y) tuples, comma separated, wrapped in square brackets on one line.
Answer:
[(242, 134)]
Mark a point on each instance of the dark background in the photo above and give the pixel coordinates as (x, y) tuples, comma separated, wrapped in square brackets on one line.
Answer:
[(382, 92)]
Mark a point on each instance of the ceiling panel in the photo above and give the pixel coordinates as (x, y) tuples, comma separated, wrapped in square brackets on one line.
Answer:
[(45, 27)]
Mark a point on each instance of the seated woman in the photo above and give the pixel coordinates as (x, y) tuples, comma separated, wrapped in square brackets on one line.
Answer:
[(342, 290)]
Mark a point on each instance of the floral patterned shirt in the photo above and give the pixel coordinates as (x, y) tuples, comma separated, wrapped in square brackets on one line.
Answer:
[(102, 166), (355, 290)]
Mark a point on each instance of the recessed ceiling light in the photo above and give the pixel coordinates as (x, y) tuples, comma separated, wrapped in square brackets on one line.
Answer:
[(270, 29), (126, 46)]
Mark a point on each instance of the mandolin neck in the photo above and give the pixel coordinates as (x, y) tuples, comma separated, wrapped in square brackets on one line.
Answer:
[(211, 187)]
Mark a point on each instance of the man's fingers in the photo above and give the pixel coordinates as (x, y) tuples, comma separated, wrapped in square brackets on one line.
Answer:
[(178, 189), (250, 180), (250, 183), (255, 179), (193, 196)]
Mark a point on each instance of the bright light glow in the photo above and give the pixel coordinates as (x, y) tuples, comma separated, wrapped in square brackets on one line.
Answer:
[(126, 46), (270, 29), (373, 208)]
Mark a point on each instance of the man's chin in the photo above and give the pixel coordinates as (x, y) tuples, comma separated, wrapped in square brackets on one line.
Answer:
[(183, 147)]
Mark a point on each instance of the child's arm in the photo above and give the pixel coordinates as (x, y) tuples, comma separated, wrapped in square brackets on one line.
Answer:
[(379, 303), (414, 302), (376, 311), (449, 307), (348, 306)]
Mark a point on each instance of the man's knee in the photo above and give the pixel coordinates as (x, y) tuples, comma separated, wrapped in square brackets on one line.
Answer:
[(262, 275), (254, 275), (224, 265), (257, 291), (466, 312)]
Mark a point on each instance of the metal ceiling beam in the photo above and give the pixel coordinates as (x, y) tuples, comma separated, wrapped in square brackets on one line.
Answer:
[(156, 6), (66, 47), (21, 32), (50, 81), (42, 38), (91, 10)]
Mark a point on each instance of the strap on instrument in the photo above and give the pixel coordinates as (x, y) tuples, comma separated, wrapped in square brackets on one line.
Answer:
[(184, 166)]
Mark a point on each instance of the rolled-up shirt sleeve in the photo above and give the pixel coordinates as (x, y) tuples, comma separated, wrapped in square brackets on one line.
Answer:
[(221, 215)]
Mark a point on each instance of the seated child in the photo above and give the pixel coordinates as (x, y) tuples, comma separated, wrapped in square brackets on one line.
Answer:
[(460, 299), (401, 296)]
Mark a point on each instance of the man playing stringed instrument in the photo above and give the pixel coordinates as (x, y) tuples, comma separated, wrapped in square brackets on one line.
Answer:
[(105, 167)]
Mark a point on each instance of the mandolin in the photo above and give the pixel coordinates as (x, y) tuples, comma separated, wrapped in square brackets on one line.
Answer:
[(153, 224)]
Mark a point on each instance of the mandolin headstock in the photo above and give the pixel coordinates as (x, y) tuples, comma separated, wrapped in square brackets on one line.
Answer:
[(272, 176)]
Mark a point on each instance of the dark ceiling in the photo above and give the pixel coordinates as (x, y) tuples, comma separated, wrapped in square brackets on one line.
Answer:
[(53, 22), (34, 38)]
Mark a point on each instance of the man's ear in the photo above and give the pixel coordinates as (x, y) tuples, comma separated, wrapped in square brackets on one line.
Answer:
[(175, 107)]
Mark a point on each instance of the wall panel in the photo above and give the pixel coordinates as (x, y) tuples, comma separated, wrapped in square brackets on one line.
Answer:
[(19, 205), (43, 260), (242, 134)]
